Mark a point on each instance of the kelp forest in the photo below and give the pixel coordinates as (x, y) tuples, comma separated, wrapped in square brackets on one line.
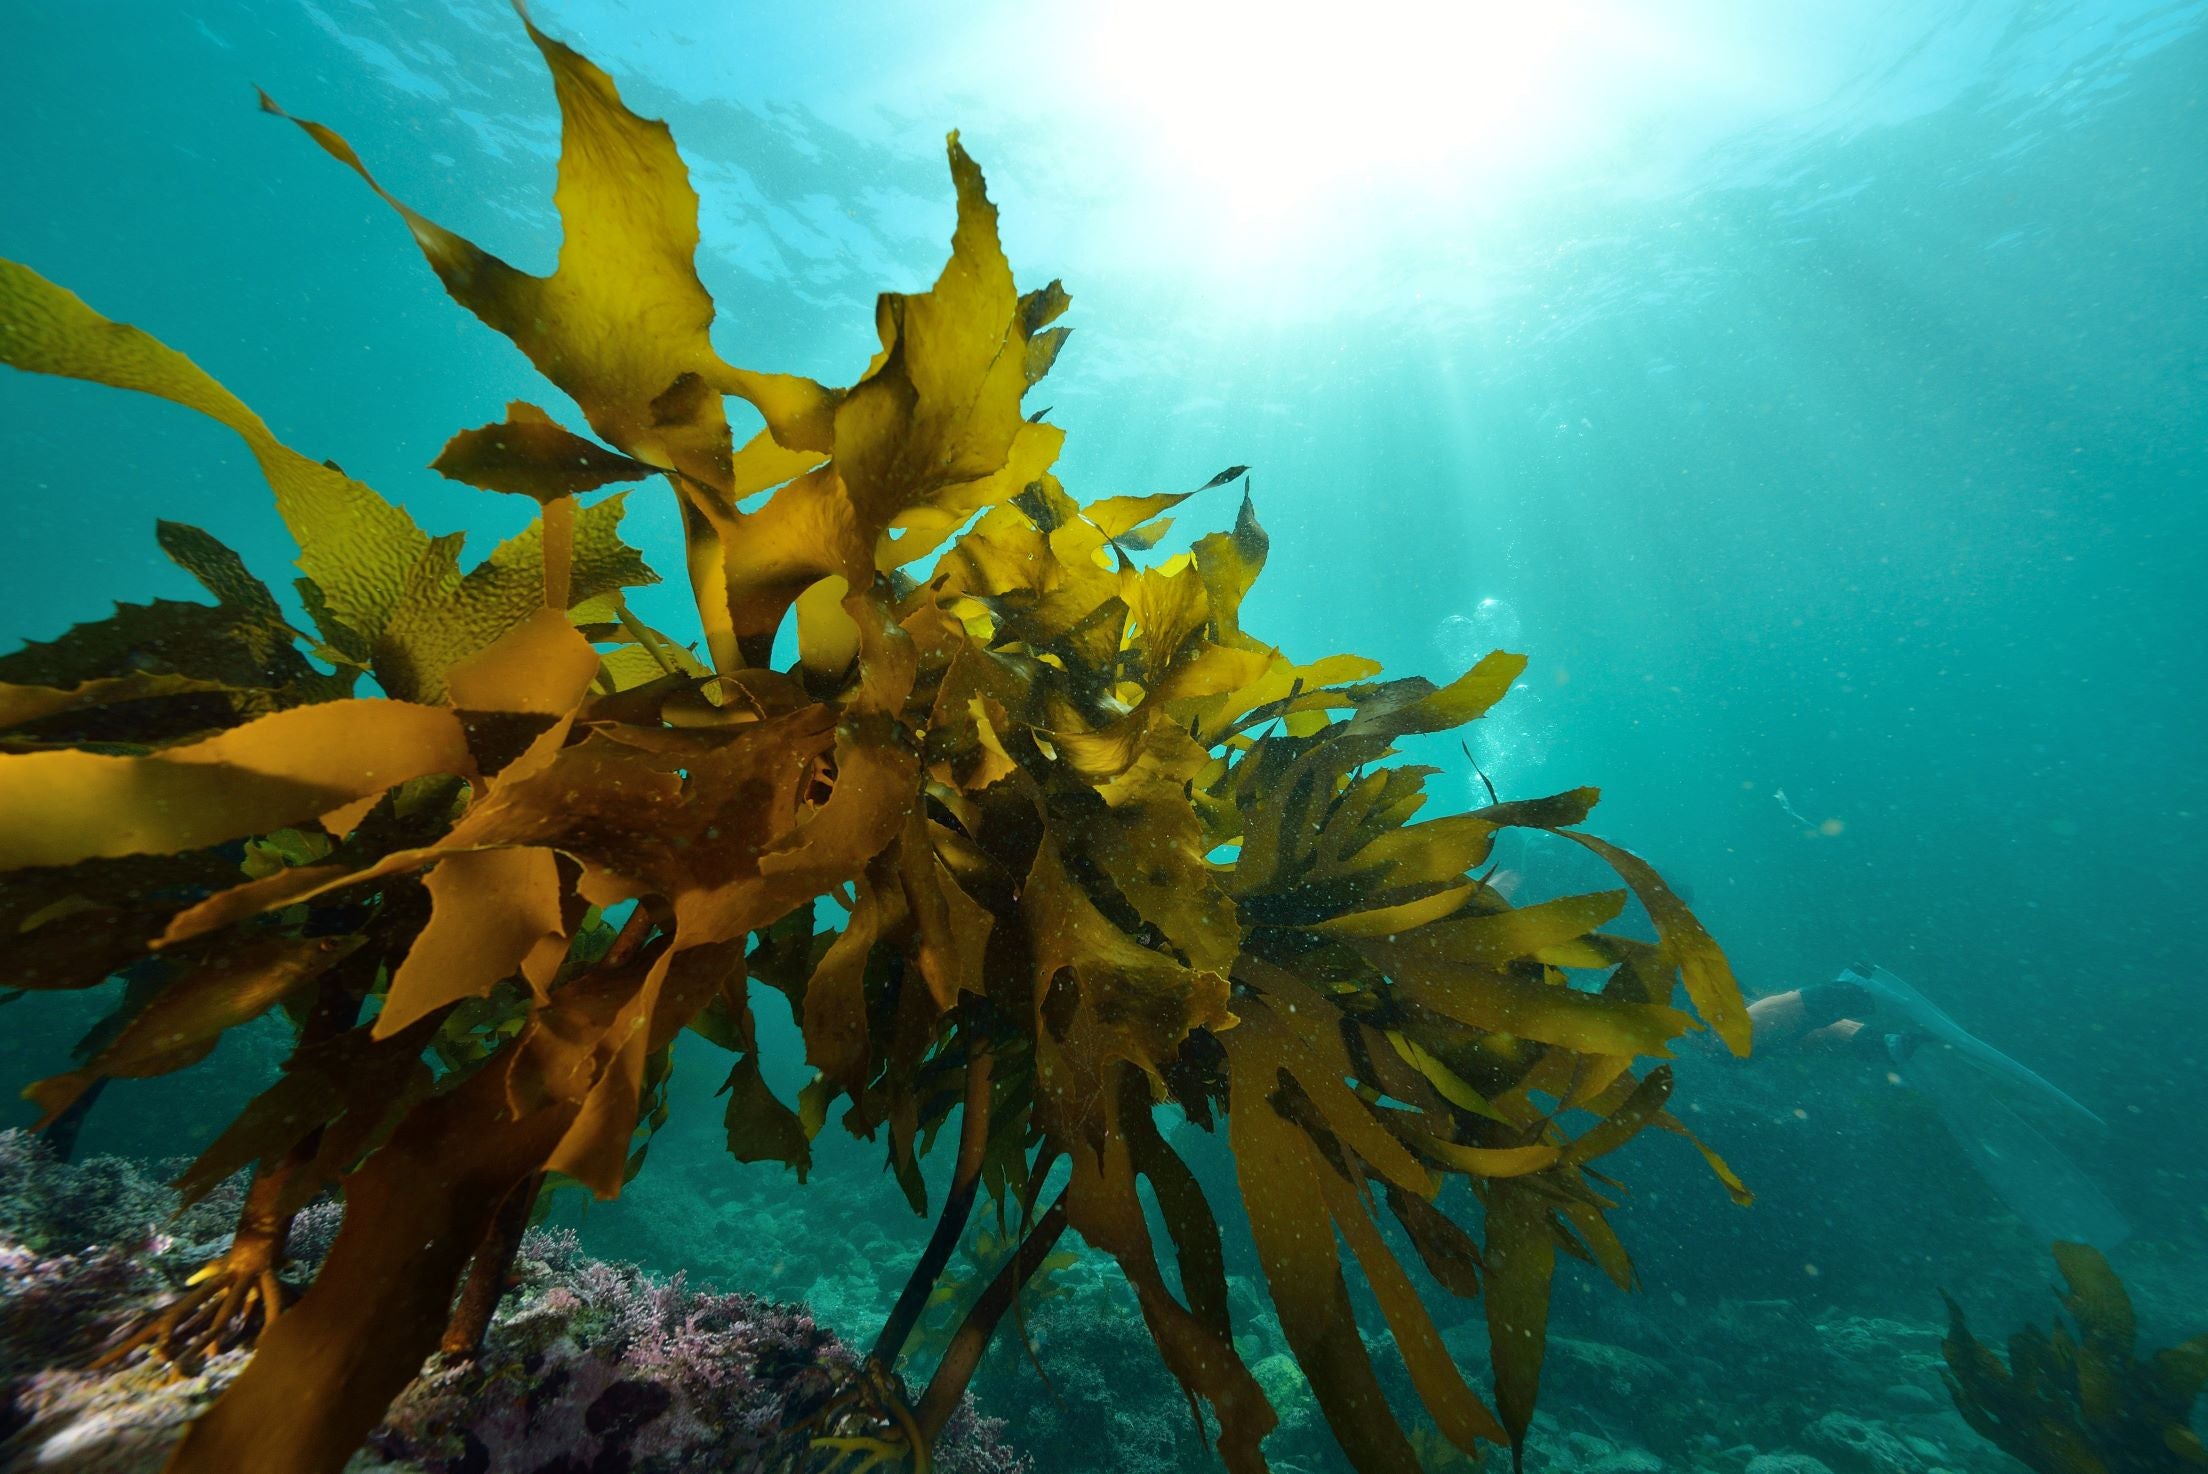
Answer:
[(1042, 847)]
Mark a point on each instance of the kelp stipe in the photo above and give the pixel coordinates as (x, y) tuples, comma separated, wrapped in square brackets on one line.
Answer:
[(2079, 1399), (1012, 771)]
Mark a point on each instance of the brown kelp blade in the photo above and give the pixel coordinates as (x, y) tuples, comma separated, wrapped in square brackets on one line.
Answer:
[(631, 223), (290, 766), (356, 546), (393, 595), (182, 1022), (530, 454)]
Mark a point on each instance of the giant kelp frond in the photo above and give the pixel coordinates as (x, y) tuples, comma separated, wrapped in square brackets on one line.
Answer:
[(1099, 846), (2079, 1399)]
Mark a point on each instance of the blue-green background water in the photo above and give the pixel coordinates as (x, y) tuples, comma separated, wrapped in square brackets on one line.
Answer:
[(1823, 394)]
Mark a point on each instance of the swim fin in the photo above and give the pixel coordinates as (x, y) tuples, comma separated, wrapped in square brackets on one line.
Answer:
[(2028, 1172), (1897, 1001), (1948, 1066)]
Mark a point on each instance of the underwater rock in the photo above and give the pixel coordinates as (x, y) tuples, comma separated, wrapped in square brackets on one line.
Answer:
[(47, 1204), (55, 1311), (1875, 1345), (1289, 1391), (588, 1365), (1857, 1444), (52, 1305), (1592, 1373), (594, 1365), (1558, 1447), (1787, 1463), (124, 1421), (1722, 1386)]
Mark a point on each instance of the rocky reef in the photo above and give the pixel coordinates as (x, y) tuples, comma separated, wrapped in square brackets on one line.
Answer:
[(1840, 1376), (599, 1367), (590, 1367), (1723, 1387)]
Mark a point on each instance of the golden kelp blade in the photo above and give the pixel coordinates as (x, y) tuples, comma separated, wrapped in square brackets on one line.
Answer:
[(934, 421), (1444, 995), (396, 592), (493, 910), (1123, 1003), (1521, 1261), (22, 705), (356, 546), (1295, 1244), (57, 808), (1708, 977), (444, 617), (622, 324), (1441, 1387), (944, 404), (1195, 1340), (2081, 1401)]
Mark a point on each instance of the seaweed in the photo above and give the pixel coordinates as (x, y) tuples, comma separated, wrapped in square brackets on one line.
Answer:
[(2080, 1399), (1099, 849)]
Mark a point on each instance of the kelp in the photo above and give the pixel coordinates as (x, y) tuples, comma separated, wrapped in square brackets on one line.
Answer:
[(1097, 849), (2081, 1399)]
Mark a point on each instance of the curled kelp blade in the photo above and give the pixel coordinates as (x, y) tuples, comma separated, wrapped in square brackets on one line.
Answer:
[(151, 674), (2081, 1396), (919, 443), (627, 256), (1190, 1330), (446, 617), (1457, 1011)]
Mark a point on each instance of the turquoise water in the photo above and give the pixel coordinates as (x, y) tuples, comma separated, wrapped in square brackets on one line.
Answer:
[(1818, 398)]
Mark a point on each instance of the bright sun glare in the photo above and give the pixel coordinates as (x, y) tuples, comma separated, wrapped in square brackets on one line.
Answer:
[(1289, 128), (1267, 110)]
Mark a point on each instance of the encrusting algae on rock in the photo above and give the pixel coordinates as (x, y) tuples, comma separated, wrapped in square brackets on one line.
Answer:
[(588, 1365), (1101, 849)]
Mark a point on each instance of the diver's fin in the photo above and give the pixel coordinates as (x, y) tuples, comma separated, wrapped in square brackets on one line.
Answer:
[(2040, 1184), (1907, 1003)]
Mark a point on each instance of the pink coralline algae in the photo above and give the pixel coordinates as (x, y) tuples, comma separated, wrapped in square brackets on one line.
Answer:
[(597, 1368), (589, 1367)]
